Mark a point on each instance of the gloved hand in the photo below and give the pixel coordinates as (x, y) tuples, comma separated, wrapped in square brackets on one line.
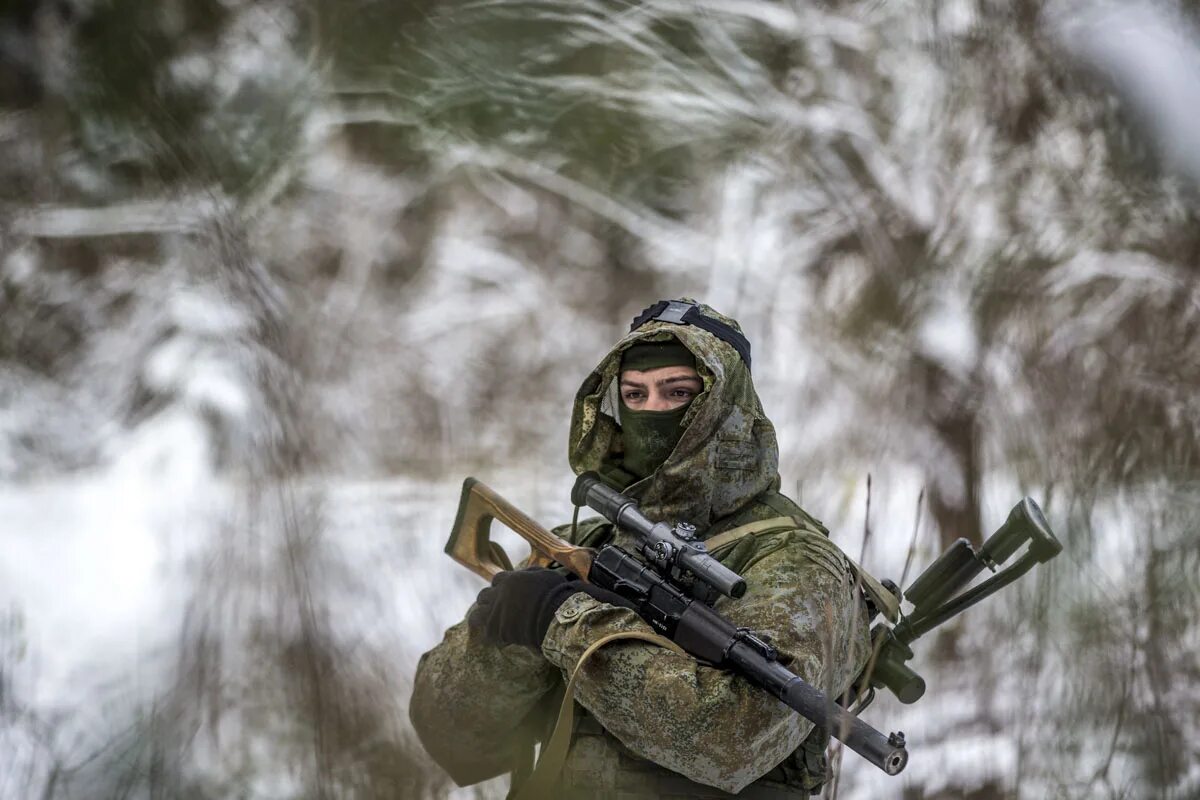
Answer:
[(519, 605)]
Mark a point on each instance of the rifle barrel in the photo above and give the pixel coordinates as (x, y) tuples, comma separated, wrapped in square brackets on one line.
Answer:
[(886, 752)]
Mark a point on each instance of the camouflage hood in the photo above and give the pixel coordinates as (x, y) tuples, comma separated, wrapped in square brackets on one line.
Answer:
[(727, 454)]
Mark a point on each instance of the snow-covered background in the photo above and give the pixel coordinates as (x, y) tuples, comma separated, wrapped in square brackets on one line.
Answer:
[(275, 276)]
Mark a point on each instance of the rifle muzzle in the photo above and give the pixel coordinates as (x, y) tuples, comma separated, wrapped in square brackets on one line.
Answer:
[(1025, 522)]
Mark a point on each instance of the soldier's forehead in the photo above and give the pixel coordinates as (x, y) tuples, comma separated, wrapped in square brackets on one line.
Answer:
[(657, 372)]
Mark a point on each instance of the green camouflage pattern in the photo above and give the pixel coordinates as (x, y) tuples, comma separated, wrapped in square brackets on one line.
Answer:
[(665, 717), (475, 707)]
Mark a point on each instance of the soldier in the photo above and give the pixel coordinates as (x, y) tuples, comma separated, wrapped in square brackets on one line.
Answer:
[(670, 417)]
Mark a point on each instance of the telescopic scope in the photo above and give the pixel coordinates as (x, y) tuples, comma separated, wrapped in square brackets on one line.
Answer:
[(659, 542)]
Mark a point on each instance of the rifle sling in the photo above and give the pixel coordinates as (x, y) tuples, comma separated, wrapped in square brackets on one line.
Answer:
[(554, 752), (883, 600)]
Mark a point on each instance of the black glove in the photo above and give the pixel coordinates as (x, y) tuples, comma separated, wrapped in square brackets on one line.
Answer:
[(519, 605)]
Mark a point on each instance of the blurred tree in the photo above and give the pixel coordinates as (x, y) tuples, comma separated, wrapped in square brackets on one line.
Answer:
[(391, 234)]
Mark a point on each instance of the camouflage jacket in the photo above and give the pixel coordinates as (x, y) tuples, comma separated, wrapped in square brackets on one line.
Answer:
[(476, 707)]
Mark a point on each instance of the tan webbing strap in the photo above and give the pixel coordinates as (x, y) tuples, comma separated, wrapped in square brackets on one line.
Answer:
[(554, 752), (887, 603), (749, 529), (884, 600)]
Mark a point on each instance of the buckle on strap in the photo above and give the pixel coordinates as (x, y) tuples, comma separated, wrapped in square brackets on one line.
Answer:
[(675, 312), (681, 312)]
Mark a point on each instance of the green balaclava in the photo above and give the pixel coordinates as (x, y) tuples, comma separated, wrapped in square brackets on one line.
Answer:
[(650, 436)]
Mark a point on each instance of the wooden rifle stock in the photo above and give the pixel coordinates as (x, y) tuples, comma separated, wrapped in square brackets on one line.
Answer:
[(471, 544)]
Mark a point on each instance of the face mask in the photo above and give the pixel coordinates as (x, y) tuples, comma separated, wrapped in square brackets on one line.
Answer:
[(649, 437)]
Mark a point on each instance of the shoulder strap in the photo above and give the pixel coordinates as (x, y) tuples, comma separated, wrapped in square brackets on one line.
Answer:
[(714, 543), (767, 504), (882, 599)]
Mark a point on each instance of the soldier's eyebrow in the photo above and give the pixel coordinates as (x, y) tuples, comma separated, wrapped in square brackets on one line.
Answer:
[(632, 383), (678, 379)]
